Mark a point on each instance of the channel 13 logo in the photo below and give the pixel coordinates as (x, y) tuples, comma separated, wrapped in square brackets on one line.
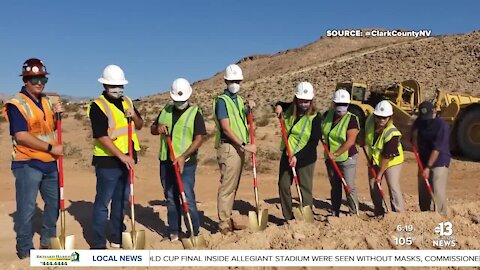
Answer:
[(444, 231)]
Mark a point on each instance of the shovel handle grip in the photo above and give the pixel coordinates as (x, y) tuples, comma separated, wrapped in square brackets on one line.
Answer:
[(177, 172)]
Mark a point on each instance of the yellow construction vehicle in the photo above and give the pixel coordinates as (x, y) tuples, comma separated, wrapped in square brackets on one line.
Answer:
[(460, 111)]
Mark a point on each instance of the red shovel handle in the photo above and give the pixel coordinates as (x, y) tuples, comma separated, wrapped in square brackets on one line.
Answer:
[(177, 173), (130, 153), (252, 141), (287, 147), (335, 166), (60, 161), (420, 165)]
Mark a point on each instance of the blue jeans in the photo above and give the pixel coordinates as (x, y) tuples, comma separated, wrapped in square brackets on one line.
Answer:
[(28, 181), (171, 192), (113, 184)]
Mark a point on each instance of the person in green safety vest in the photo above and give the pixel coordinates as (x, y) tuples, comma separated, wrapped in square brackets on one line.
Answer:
[(386, 153), (339, 131), (302, 123), (185, 124), (231, 142)]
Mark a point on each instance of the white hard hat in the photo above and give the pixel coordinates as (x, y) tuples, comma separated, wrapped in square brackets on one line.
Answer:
[(304, 90), (341, 96), (233, 73), (181, 90), (113, 75), (383, 108)]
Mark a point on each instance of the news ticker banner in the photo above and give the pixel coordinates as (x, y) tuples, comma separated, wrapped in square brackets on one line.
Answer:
[(256, 258)]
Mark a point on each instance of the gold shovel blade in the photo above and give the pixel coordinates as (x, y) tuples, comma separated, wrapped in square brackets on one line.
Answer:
[(303, 214), (133, 240), (258, 221), (63, 242), (194, 242)]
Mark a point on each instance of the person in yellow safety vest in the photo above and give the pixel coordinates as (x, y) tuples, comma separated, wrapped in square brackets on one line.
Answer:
[(339, 131), (35, 152), (231, 142), (386, 152), (108, 116), (185, 124), (303, 126)]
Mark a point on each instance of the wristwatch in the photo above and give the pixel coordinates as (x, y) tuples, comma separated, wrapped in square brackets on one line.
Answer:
[(49, 148), (243, 144)]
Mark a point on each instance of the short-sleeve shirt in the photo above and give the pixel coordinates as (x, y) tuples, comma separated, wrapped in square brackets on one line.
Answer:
[(18, 123), (221, 112), (198, 129), (433, 134), (99, 121)]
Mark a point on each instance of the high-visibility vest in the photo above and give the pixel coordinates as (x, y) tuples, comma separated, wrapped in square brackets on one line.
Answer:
[(337, 136), (376, 148), (182, 134), (117, 126), (236, 117), (40, 124), (298, 133)]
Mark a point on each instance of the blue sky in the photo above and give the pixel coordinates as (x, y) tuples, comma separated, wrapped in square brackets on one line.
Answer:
[(158, 41)]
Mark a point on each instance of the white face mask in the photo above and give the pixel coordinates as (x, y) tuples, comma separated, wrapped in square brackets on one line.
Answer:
[(341, 110), (116, 92), (233, 88), (181, 105)]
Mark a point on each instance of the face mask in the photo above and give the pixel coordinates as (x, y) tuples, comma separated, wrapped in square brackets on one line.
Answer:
[(341, 110), (181, 105), (303, 107), (116, 92), (233, 88)]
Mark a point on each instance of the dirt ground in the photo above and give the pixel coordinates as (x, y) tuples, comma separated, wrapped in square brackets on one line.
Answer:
[(345, 232)]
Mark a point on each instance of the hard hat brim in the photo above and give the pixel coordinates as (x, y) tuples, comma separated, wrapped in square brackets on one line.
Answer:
[(121, 82)]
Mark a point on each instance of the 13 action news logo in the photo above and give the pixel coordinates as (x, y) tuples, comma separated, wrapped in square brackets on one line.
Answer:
[(445, 231)]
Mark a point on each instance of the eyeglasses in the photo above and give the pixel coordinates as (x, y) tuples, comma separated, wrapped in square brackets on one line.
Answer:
[(36, 80)]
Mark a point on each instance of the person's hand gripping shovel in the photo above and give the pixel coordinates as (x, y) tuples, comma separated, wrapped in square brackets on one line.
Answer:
[(257, 219), (347, 189), (374, 174), (63, 241), (425, 178), (193, 241), (304, 213), (134, 239)]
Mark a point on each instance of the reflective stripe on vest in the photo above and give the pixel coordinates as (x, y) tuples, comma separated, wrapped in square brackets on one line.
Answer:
[(182, 135), (299, 133), (117, 127), (40, 124), (376, 148), (236, 117), (337, 135)]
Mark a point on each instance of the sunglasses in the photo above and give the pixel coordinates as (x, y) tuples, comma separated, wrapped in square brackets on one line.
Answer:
[(382, 117), (36, 80)]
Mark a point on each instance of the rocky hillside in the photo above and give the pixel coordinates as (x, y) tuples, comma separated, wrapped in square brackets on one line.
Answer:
[(450, 62)]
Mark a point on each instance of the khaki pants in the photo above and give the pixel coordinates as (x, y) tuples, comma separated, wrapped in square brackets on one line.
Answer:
[(230, 161), (285, 180), (438, 180), (392, 175)]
